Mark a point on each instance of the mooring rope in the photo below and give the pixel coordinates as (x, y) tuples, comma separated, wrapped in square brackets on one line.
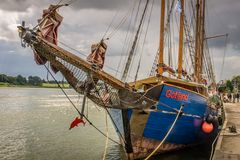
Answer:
[(107, 133), (166, 136)]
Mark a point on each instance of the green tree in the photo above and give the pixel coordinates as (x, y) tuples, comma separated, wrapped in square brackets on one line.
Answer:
[(3, 78), (221, 89), (236, 79), (229, 86), (11, 80), (34, 80), (44, 81), (21, 80)]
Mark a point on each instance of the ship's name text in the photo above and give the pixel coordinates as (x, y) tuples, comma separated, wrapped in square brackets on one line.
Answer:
[(176, 95)]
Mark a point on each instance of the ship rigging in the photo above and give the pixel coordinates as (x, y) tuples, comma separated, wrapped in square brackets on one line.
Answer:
[(163, 112)]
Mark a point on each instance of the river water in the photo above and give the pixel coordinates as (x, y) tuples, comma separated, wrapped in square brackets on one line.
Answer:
[(34, 125)]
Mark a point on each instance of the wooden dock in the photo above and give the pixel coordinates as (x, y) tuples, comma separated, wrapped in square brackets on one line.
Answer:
[(228, 144)]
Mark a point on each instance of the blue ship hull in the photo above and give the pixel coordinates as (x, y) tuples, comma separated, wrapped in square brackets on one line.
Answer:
[(149, 127)]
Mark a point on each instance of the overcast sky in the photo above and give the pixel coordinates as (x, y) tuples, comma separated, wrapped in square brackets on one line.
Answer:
[(85, 22)]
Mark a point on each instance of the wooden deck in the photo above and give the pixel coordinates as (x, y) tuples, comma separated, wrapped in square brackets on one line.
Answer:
[(228, 144)]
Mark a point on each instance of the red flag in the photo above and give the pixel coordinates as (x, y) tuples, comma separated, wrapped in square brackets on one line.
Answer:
[(76, 122)]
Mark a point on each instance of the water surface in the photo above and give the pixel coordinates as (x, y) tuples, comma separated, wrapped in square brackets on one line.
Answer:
[(34, 125)]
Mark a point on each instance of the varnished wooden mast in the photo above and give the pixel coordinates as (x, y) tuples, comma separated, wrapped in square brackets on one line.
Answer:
[(180, 50), (161, 41), (202, 37), (197, 30), (199, 43)]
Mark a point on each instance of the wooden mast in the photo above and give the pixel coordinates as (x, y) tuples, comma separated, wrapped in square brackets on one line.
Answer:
[(196, 65), (202, 35), (180, 51), (161, 41), (199, 43)]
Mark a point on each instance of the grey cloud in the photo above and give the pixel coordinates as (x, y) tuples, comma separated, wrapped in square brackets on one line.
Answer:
[(223, 17), (22, 5), (85, 22), (100, 4), (16, 60)]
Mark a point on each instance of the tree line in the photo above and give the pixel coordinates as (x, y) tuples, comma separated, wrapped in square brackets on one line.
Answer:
[(224, 86), (21, 80), (230, 85)]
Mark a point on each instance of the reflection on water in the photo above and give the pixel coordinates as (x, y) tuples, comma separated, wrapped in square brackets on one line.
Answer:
[(34, 125)]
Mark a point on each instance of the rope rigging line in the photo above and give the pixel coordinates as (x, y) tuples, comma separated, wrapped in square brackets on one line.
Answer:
[(130, 56), (71, 2), (137, 45), (116, 28), (107, 133), (125, 40), (129, 38), (77, 108), (107, 110), (166, 136), (224, 56), (145, 36), (83, 54), (109, 26)]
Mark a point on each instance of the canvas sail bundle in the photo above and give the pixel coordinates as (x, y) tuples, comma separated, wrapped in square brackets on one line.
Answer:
[(48, 25), (48, 30), (97, 55)]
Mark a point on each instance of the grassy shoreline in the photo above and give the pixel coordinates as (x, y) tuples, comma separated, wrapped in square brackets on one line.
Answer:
[(44, 85)]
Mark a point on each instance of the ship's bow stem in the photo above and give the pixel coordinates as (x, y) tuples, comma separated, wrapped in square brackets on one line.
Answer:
[(127, 134)]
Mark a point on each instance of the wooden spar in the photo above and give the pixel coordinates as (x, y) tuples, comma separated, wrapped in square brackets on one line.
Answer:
[(161, 41), (202, 39), (196, 73), (80, 63), (216, 36), (210, 37), (200, 44), (180, 51)]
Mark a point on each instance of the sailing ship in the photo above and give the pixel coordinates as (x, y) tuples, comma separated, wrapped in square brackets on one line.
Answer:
[(169, 110)]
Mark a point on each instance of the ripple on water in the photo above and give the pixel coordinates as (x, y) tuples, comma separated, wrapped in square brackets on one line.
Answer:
[(35, 125)]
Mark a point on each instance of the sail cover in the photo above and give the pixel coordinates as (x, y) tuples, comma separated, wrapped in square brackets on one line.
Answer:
[(97, 55), (48, 30)]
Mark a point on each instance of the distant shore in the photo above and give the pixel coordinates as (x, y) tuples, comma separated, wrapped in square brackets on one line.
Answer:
[(44, 85)]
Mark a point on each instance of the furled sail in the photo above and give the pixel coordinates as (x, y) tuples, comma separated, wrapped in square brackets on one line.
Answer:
[(48, 25), (97, 55), (48, 30)]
